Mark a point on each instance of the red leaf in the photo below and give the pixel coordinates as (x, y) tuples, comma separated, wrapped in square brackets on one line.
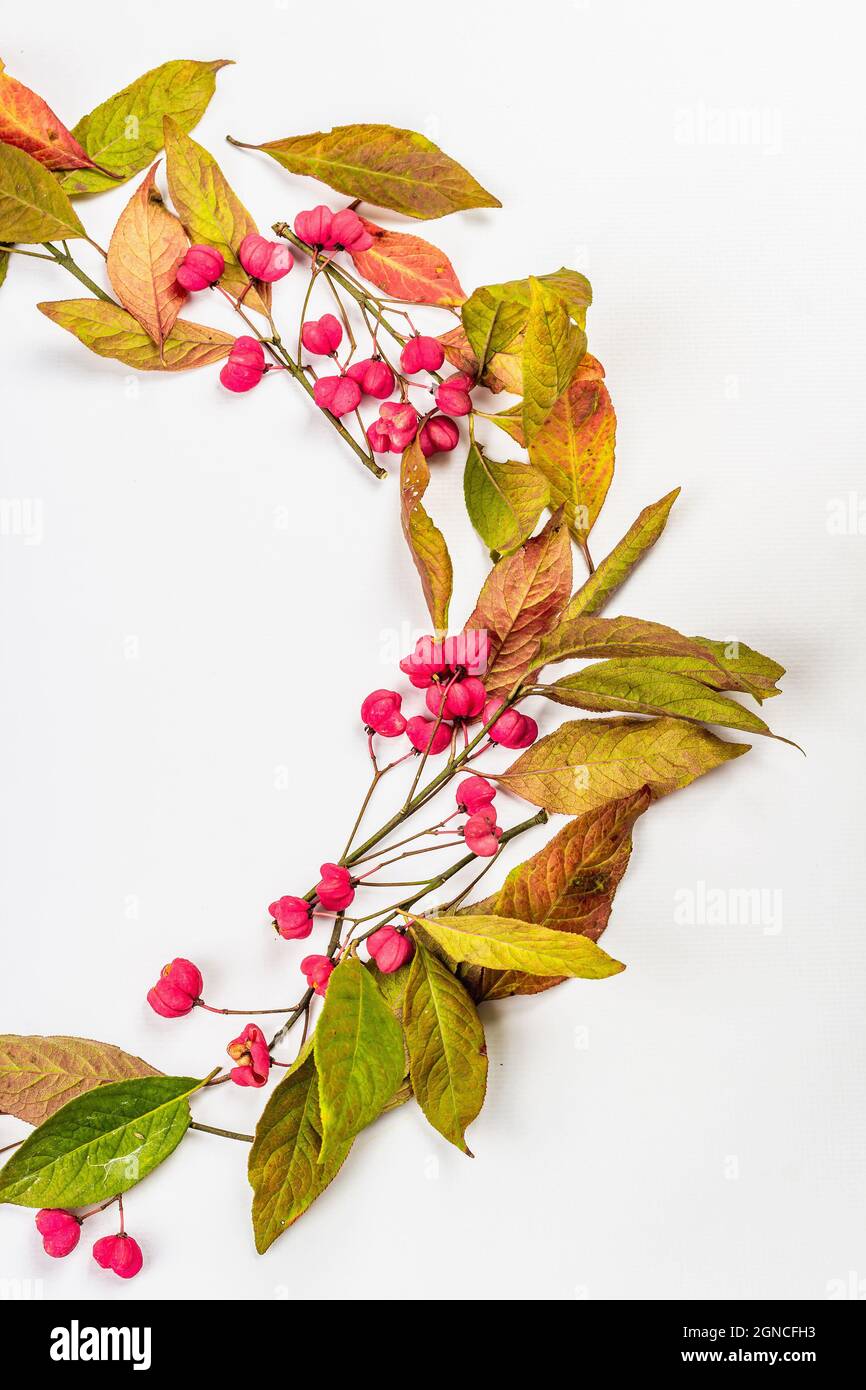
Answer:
[(29, 124), (406, 267)]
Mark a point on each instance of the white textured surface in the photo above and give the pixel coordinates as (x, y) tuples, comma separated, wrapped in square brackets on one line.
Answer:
[(174, 642)]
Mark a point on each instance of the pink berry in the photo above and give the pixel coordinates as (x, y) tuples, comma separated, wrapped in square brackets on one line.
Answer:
[(119, 1253), (452, 396), (335, 890), (438, 436), (390, 949), (473, 794), (512, 729), (466, 653), (245, 366), (381, 713), (292, 917), (177, 990), (462, 699), (201, 266), (374, 377), (264, 260), (348, 230), (397, 423), (422, 354), (421, 735), (338, 394), (60, 1231), (249, 1051), (314, 226), (318, 970), (482, 834), (322, 336)]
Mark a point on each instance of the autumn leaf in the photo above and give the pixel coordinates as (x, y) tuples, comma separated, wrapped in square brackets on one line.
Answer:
[(447, 1054), (112, 332), (406, 267), (491, 324), (284, 1168), (359, 1056), (728, 665), (4, 263), (633, 687), (504, 500), (383, 165), (552, 349), (590, 761), (574, 450), (616, 567), (146, 248), (502, 373), (38, 1075), (33, 206), (590, 637), (209, 209), (425, 541), (569, 886), (124, 134), (521, 597), (28, 123), (503, 943)]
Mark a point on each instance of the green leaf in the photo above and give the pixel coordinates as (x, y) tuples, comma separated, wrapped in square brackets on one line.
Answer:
[(383, 165), (285, 1171), (504, 943), (634, 687), (522, 595), (574, 450), (447, 1054), (491, 324), (209, 209), (424, 539), (33, 206), (504, 500), (552, 349), (730, 665), (4, 264), (124, 134), (110, 331), (594, 637), (38, 1075), (100, 1144), (568, 886), (572, 288), (616, 567), (359, 1055), (590, 761)]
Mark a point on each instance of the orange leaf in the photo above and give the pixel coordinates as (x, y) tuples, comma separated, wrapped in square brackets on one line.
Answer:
[(406, 267), (146, 248), (423, 538), (574, 449), (29, 124)]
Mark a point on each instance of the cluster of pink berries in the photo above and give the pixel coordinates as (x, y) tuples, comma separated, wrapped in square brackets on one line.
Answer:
[(61, 1231), (179, 990), (398, 421)]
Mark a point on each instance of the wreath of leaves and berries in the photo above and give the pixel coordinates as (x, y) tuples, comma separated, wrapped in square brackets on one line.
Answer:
[(390, 1007)]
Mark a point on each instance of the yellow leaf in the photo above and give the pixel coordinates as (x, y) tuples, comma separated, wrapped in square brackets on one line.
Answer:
[(574, 449), (146, 248), (33, 206), (111, 332), (425, 541), (552, 349)]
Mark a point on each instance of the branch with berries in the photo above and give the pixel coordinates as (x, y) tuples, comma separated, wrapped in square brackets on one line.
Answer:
[(392, 1003)]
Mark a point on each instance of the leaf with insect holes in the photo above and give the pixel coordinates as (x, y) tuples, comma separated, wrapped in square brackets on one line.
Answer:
[(425, 541), (284, 1168), (111, 332), (502, 373), (574, 450), (382, 165), (28, 123), (359, 1056), (568, 886), (552, 349), (616, 567), (633, 687), (504, 500), (589, 761), (447, 1053), (209, 209), (146, 248), (520, 599), (405, 267), (38, 1075), (33, 206), (504, 943), (124, 134), (99, 1144)]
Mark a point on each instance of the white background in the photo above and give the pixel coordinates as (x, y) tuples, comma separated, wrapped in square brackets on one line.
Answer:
[(218, 584)]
